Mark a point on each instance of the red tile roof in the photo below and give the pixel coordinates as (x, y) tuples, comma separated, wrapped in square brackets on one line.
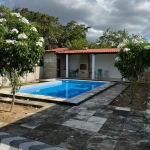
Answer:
[(56, 50), (89, 51)]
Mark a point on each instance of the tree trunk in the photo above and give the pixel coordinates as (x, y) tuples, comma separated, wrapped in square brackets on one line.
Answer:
[(133, 86), (13, 98)]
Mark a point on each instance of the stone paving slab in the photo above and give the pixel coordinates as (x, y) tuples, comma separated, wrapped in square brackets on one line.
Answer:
[(102, 142), (31, 124), (89, 125), (58, 135), (81, 117), (78, 140), (135, 124), (97, 120), (104, 113)]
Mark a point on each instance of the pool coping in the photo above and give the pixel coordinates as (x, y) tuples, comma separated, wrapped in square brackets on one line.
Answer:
[(71, 101)]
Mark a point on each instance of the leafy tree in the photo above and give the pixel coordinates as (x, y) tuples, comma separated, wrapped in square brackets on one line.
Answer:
[(133, 59), (111, 39), (55, 34), (77, 44), (92, 45), (75, 35), (48, 26), (21, 47)]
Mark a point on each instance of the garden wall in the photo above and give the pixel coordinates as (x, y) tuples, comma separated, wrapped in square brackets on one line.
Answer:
[(29, 77)]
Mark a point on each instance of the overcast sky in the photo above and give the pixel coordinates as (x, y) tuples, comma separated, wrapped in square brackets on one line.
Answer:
[(132, 15)]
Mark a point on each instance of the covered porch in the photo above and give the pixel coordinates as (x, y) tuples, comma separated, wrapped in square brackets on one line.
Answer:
[(93, 64)]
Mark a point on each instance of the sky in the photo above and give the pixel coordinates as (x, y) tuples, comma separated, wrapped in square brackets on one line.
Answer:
[(131, 15)]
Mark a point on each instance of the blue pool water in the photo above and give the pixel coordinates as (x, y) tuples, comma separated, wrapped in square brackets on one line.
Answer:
[(62, 88)]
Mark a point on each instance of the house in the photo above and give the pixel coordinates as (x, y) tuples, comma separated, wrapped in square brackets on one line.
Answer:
[(62, 62)]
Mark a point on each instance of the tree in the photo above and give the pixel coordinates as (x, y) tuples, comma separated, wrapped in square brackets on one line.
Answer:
[(111, 39), (75, 35), (77, 44), (48, 26), (55, 35), (133, 59), (21, 47)]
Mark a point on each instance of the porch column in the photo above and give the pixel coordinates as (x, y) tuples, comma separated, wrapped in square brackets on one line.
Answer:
[(67, 68), (93, 66)]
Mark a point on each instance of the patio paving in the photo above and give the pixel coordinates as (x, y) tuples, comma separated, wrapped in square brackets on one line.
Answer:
[(93, 125)]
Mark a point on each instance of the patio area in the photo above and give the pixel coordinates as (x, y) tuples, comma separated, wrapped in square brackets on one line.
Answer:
[(93, 125)]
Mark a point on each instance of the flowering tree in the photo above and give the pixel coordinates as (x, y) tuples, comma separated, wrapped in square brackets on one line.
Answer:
[(133, 59), (21, 47)]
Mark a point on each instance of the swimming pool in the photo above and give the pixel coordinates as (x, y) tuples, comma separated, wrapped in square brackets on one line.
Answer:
[(62, 88)]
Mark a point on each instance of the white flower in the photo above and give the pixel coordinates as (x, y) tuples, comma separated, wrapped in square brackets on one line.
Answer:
[(107, 33), (147, 47), (135, 41), (41, 39), (24, 20), (117, 59), (125, 41), (139, 38), (126, 49), (22, 36), (39, 44), (120, 45), (33, 29), (16, 14), (10, 41), (3, 19), (21, 43), (148, 41), (14, 30)]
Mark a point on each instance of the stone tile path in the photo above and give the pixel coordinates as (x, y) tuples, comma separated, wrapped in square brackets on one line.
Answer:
[(93, 125)]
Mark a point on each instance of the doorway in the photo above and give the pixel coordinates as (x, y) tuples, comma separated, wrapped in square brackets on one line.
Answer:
[(58, 67)]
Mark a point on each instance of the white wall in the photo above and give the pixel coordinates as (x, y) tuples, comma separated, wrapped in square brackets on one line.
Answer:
[(102, 61), (106, 62), (29, 77), (74, 61)]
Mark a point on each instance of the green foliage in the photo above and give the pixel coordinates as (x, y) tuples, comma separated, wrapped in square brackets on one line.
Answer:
[(133, 59), (21, 47), (92, 45), (111, 39), (16, 82), (77, 44), (55, 34), (75, 35), (133, 62)]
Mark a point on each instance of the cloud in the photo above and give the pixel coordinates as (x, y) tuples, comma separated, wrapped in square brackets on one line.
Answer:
[(94, 34), (132, 15)]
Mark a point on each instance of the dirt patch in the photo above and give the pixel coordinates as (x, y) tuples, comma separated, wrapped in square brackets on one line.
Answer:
[(17, 113), (139, 101)]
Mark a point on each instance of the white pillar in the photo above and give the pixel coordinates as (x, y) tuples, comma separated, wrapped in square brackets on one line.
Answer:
[(93, 66), (67, 65)]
